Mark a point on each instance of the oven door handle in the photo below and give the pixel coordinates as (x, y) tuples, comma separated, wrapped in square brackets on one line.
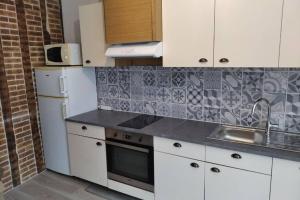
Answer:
[(128, 146)]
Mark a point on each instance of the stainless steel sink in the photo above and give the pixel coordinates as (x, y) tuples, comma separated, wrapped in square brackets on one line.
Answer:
[(238, 134)]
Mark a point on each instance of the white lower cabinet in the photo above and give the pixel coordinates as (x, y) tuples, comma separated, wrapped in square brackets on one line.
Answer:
[(178, 178), (88, 159), (285, 180), (225, 183)]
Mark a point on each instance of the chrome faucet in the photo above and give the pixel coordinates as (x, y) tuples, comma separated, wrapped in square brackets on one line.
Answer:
[(269, 125)]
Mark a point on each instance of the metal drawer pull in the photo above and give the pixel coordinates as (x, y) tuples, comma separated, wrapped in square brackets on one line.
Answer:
[(215, 170), (99, 144), (195, 165), (224, 60), (178, 145), (203, 60), (236, 156), (84, 128)]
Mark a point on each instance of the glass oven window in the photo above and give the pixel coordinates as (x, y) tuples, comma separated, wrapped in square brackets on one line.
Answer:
[(130, 163), (54, 54)]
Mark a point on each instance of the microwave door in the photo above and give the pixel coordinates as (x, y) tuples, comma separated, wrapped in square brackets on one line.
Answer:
[(54, 55)]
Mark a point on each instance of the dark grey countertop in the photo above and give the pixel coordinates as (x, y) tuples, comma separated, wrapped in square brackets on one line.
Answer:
[(178, 129)]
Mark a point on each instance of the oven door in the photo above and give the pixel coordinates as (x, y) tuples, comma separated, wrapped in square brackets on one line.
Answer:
[(129, 164)]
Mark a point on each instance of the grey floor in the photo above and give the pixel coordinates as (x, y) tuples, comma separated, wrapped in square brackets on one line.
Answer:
[(51, 186)]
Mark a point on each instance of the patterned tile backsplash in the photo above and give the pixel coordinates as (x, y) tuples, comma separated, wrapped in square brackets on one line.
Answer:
[(215, 95)]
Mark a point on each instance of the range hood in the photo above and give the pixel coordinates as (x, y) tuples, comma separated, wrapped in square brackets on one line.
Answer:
[(151, 49)]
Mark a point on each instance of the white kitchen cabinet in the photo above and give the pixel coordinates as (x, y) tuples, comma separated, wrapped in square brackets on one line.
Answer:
[(188, 33), (88, 159), (178, 178), (247, 33), (285, 180), (290, 37), (92, 31), (225, 183)]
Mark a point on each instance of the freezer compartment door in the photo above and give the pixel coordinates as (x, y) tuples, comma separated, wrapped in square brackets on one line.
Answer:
[(51, 82), (54, 134)]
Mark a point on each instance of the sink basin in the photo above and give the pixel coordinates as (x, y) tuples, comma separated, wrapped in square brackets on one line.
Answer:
[(238, 134)]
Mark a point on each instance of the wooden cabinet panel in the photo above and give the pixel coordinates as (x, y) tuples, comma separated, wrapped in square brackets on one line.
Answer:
[(93, 36), (290, 37), (188, 33), (177, 179), (247, 33), (225, 183), (285, 180), (88, 159), (129, 21)]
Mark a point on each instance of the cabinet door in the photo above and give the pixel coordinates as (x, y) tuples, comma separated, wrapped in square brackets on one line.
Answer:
[(178, 178), (290, 37), (188, 33), (233, 184), (88, 159), (130, 21), (93, 35), (247, 33), (285, 180)]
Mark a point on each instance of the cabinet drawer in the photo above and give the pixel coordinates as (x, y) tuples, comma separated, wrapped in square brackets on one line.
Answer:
[(251, 162), (86, 130), (179, 148)]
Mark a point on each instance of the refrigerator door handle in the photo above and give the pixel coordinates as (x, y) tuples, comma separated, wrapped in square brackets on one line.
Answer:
[(62, 85), (64, 109)]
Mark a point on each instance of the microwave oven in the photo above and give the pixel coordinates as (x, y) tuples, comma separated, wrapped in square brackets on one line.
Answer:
[(63, 54)]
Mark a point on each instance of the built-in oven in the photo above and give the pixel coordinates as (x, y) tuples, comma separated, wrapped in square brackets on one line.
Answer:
[(130, 158)]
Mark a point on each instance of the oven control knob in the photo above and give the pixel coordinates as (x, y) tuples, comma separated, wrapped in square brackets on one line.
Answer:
[(127, 137)]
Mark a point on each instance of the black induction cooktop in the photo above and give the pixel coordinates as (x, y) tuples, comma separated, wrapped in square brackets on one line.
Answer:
[(140, 121)]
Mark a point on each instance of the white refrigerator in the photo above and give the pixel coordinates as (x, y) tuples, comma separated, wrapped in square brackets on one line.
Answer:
[(62, 92)]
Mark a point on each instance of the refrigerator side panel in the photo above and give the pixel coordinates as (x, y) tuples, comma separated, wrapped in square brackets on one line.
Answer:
[(51, 82), (82, 90), (54, 134)]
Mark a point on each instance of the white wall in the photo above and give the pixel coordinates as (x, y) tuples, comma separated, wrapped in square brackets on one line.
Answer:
[(71, 18)]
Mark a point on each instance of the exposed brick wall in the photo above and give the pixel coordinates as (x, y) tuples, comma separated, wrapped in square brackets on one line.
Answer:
[(23, 32)]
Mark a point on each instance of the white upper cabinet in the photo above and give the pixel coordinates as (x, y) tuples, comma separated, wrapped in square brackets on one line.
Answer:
[(247, 33), (188, 33), (285, 180), (290, 37), (92, 31)]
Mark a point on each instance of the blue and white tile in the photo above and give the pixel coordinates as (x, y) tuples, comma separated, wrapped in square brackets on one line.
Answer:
[(249, 98), (150, 107), (250, 120), (150, 93), (112, 76), (136, 93), (103, 101), (232, 80), (194, 95), (195, 78), (211, 114), (101, 77), (294, 82), (194, 112), (212, 98), (293, 104), (124, 77), (231, 99), (178, 95), (275, 81), (113, 91), (232, 117), (102, 90), (124, 91), (164, 79), (164, 109), (124, 105), (292, 123), (179, 111), (277, 101), (178, 79), (136, 79), (253, 81), (149, 78), (137, 106), (212, 79), (114, 103), (164, 95)]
